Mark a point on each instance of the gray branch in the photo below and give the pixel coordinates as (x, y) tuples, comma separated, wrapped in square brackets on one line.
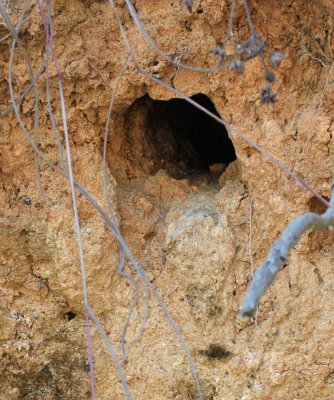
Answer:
[(279, 252)]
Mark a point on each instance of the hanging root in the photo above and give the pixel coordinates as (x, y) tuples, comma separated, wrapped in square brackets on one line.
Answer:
[(125, 252), (279, 253)]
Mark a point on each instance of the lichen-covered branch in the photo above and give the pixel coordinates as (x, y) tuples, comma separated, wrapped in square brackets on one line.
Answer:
[(279, 252)]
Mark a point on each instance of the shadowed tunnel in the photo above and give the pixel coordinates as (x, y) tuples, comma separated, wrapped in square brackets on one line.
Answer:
[(186, 136), (175, 136)]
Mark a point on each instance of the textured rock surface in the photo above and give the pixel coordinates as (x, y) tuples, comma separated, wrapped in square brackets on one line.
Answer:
[(193, 235)]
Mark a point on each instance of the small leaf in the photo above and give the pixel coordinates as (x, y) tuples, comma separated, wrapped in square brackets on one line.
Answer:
[(267, 96), (270, 76), (276, 59), (189, 5)]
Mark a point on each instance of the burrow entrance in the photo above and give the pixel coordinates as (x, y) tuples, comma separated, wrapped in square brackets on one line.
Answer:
[(178, 137)]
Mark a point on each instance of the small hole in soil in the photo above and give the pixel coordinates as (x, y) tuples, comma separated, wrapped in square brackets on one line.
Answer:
[(186, 140), (316, 205), (69, 316), (175, 136), (86, 367)]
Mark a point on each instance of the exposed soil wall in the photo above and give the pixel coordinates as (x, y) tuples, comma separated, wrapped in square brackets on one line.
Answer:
[(196, 219)]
